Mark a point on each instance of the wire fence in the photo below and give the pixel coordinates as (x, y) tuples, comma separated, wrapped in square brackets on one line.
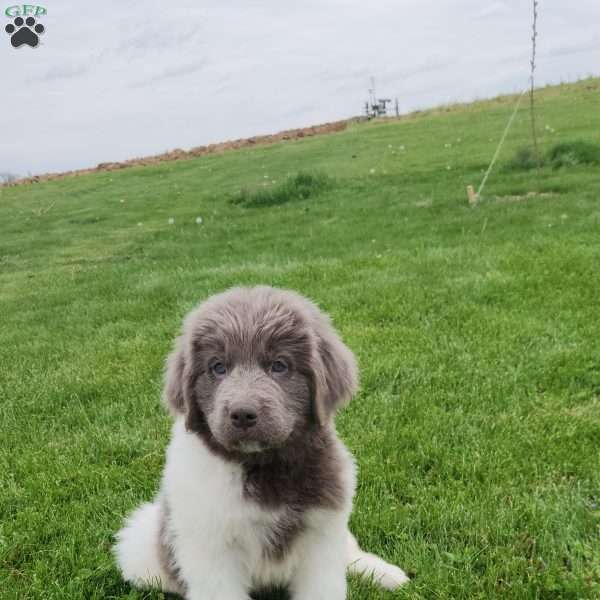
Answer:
[(475, 197)]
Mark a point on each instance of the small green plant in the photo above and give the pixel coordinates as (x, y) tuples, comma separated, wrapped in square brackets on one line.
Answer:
[(524, 160), (301, 186)]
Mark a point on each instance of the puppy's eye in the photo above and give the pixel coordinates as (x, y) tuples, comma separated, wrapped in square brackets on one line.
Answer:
[(279, 366), (219, 369)]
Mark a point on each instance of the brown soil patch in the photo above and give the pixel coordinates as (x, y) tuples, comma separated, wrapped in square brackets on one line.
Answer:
[(523, 197)]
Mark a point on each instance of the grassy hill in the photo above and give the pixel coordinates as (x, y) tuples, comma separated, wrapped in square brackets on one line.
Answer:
[(477, 428)]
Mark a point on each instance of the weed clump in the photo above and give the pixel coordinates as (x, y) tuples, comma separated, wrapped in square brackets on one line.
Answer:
[(301, 186), (571, 154), (566, 154)]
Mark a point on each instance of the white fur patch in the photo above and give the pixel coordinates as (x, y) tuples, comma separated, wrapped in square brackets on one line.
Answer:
[(136, 550)]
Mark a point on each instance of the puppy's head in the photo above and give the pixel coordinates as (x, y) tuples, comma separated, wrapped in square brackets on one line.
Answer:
[(256, 368)]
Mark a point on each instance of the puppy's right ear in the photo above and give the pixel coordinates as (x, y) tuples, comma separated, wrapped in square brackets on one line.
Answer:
[(175, 373), (178, 394)]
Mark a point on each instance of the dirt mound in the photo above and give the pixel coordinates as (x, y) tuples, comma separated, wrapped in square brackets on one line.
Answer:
[(178, 154)]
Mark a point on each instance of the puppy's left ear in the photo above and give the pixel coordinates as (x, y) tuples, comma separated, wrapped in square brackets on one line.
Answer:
[(335, 374)]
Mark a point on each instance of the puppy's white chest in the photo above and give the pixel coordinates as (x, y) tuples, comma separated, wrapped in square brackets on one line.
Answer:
[(208, 509)]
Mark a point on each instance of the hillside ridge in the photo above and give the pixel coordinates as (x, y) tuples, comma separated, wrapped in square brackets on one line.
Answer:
[(179, 154), (593, 83)]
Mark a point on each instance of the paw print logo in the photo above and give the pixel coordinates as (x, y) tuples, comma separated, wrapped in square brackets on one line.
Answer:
[(24, 32)]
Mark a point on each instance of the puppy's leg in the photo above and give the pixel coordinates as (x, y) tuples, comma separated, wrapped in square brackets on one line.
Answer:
[(211, 570), (321, 573), (137, 550), (362, 563), (207, 588)]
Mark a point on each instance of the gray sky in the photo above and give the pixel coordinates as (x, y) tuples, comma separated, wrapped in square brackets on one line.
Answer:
[(117, 79)]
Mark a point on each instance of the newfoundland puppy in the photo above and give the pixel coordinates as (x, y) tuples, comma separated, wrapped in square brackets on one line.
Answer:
[(257, 487)]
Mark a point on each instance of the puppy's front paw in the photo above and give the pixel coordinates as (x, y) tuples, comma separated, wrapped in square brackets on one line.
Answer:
[(393, 577)]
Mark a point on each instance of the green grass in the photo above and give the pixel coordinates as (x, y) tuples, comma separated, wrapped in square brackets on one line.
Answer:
[(477, 428)]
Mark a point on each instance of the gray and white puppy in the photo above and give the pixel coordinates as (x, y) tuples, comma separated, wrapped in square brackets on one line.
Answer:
[(257, 487)]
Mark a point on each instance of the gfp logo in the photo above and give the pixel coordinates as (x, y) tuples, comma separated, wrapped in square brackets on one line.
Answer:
[(24, 30)]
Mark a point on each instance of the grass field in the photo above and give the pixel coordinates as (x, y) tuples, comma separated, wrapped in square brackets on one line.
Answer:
[(477, 427)]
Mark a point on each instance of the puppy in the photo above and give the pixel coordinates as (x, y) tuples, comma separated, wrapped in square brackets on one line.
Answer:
[(257, 487)]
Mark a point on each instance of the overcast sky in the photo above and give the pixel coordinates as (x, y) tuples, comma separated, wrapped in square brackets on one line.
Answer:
[(117, 79)]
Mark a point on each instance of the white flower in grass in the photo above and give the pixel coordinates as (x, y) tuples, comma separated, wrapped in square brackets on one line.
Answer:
[(171, 221), (448, 168), (403, 148), (139, 224), (372, 171), (199, 221), (122, 200)]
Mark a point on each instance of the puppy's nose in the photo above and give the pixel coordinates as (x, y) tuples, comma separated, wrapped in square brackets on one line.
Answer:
[(244, 418)]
